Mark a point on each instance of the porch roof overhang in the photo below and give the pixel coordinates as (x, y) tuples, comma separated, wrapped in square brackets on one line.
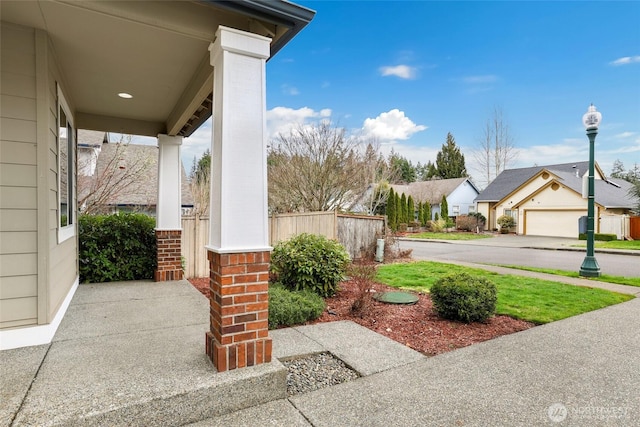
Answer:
[(157, 51)]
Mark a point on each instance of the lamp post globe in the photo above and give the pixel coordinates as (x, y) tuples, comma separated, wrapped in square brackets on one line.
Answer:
[(591, 121)]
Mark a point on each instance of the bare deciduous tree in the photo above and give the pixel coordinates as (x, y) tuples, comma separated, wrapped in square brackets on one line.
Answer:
[(319, 168), (200, 181), (497, 148), (114, 177)]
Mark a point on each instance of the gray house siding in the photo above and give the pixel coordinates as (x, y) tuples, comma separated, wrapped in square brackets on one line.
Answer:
[(18, 178), (29, 250)]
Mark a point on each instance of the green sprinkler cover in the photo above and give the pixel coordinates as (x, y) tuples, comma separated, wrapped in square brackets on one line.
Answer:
[(396, 297)]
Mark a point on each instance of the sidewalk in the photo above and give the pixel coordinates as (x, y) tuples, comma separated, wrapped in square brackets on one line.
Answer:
[(133, 354)]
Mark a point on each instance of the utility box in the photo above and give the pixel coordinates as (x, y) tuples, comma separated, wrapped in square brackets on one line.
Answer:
[(582, 224)]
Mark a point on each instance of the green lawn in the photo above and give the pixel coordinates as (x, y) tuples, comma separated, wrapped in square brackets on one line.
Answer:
[(619, 280), (449, 236), (534, 300), (633, 245)]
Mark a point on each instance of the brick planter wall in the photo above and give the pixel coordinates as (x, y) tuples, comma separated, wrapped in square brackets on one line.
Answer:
[(239, 310), (169, 255)]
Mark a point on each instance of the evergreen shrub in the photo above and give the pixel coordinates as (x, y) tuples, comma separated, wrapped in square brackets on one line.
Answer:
[(464, 297), (310, 262), (288, 308), (116, 247)]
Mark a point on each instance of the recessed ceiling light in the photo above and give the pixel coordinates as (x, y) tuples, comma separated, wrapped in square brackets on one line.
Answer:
[(125, 95)]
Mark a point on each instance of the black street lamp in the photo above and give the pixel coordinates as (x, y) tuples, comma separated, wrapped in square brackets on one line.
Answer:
[(590, 267)]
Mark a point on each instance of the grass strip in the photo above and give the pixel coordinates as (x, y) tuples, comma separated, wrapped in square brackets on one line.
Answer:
[(534, 300), (618, 280)]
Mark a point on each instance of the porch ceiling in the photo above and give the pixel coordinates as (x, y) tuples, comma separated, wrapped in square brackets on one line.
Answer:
[(153, 50)]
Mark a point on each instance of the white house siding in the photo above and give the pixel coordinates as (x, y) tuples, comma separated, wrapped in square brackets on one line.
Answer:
[(18, 178)]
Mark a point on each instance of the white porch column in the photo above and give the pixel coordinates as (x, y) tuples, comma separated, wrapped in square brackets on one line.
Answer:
[(169, 209), (239, 216), (239, 251)]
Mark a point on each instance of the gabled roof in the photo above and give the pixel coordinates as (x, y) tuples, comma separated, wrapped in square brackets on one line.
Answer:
[(144, 192), (510, 179), (610, 193), (431, 191)]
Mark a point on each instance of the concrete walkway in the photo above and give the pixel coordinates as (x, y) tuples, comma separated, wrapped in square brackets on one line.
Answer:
[(133, 354)]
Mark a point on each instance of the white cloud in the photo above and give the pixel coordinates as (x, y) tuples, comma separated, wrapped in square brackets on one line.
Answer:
[(402, 71), (280, 120), (489, 78), (624, 135), (625, 60), (289, 90), (391, 126)]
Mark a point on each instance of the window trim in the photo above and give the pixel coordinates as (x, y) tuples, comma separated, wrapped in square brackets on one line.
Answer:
[(68, 231)]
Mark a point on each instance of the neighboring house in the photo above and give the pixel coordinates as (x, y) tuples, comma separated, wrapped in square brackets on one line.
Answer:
[(157, 69), (547, 200), (460, 194), (125, 179)]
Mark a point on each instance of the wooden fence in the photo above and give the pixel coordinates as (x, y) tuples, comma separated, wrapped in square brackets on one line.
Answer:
[(634, 227), (356, 233)]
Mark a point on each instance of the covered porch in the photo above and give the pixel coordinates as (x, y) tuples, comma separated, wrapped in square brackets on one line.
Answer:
[(156, 69)]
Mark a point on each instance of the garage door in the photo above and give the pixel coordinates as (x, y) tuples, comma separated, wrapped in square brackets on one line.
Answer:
[(552, 223)]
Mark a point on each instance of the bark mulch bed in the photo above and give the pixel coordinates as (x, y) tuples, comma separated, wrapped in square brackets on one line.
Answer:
[(416, 326)]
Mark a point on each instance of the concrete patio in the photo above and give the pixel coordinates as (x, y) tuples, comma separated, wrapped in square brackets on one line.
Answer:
[(133, 354)]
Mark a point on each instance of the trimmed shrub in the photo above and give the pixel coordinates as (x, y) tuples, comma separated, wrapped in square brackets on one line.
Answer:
[(310, 262), (288, 308), (464, 297), (465, 223), (116, 247), (602, 237), (506, 222)]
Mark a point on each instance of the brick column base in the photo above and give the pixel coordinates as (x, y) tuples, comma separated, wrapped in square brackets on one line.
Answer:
[(239, 312), (169, 255)]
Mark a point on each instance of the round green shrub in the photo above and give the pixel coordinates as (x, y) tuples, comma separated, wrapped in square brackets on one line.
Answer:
[(288, 308), (464, 297), (310, 262)]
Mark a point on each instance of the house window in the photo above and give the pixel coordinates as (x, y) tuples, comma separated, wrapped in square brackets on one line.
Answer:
[(66, 171), (456, 210), (472, 209)]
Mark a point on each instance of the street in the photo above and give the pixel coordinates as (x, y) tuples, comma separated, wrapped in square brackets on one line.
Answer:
[(613, 264)]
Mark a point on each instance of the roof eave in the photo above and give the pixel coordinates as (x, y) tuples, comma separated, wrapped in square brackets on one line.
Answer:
[(291, 15)]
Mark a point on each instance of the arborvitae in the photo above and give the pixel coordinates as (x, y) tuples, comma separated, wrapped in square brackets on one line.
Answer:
[(391, 210), (444, 208), (398, 210), (411, 209), (436, 216), (403, 209), (420, 213), (426, 213)]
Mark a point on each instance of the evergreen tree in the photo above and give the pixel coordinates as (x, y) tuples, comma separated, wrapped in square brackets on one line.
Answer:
[(426, 213), (444, 208), (430, 171), (617, 171), (436, 216), (398, 211), (419, 213), (403, 169), (450, 161), (391, 210), (411, 209), (403, 209)]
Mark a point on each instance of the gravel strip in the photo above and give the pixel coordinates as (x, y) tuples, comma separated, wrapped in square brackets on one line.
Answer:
[(315, 372)]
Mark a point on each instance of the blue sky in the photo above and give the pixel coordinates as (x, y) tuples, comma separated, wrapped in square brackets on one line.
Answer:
[(408, 72)]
